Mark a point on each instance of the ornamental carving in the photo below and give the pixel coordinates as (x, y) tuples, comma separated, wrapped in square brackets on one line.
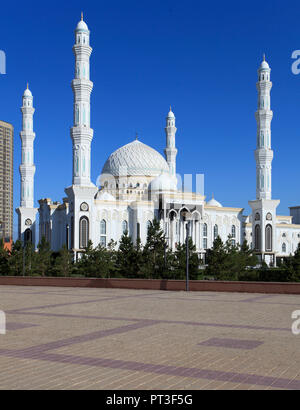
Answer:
[(84, 207)]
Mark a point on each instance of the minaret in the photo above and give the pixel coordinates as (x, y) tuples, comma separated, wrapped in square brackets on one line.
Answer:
[(264, 115), (171, 150), (264, 207), (27, 212), (81, 133)]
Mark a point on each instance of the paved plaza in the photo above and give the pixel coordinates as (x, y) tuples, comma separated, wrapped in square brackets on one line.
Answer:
[(85, 338)]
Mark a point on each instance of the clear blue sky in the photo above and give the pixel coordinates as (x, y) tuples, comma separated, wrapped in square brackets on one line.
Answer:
[(201, 57)]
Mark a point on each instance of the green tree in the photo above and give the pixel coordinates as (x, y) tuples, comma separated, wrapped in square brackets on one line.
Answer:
[(216, 258), (154, 251), (126, 257), (179, 261), (97, 262), (16, 259), (63, 265), (292, 266), (4, 260), (42, 265)]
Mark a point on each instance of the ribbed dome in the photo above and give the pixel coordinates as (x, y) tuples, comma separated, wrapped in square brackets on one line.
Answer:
[(135, 158)]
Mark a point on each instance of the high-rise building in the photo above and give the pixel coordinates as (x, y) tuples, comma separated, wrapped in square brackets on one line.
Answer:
[(6, 179)]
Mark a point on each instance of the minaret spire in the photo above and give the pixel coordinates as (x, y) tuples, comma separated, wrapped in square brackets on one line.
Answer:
[(27, 212), (170, 150), (264, 207), (81, 133), (264, 115)]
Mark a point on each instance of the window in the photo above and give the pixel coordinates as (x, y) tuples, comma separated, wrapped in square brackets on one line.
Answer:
[(233, 231), (148, 225), (257, 238), (28, 236), (138, 231), (216, 231), (268, 238), (125, 226), (283, 248), (204, 236), (103, 241), (103, 227), (83, 232), (103, 233)]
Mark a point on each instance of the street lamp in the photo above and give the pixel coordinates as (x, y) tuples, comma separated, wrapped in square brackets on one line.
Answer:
[(187, 218)]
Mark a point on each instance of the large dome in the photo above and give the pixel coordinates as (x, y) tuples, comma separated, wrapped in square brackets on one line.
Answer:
[(135, 158)]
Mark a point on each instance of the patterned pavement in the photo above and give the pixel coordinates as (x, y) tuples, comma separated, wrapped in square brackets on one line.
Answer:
[(78, 338)]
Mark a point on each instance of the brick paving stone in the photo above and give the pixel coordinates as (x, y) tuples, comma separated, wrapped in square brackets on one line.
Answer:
[(76, 338)]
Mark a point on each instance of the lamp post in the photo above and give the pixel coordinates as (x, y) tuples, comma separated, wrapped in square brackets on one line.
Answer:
[(187, 255), (165, 252), (187, 218)]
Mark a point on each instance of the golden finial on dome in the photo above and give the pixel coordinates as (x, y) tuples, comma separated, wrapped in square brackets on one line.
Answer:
[(264, 57), (81, 16), (27, 85), (136, 136)]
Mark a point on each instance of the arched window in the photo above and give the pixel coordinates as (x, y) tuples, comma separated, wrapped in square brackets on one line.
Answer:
[(204, 245), (103, 233), (216, 231), (125, 226), (28, 236), (284, 248), (233, 231), (138, 231), (268, 238), (103, 227), (257, 238), (148, 225), (83, 232)]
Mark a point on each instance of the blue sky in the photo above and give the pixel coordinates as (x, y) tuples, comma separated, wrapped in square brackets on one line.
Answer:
[(201, 57)]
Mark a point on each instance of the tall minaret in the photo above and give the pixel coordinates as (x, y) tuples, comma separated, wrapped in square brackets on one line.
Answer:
[(81, 133), (264, 236), (264, 115), (27, 212), (171, 150)]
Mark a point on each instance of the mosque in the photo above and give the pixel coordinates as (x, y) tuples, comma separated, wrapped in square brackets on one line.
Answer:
[(138, 184)]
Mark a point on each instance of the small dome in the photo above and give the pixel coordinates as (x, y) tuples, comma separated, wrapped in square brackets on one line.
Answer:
[(82, 26), (264, 66), (27, 93), (164, 182), (171, 114), (135, 159), (105, 196), (213, 202)]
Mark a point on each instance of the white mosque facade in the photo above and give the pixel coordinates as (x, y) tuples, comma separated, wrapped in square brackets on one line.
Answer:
[(138, 184)]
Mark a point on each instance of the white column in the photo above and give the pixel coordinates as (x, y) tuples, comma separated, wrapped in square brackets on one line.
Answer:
[(27, 168), (81, 133), (264, 153), (170, 150)]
